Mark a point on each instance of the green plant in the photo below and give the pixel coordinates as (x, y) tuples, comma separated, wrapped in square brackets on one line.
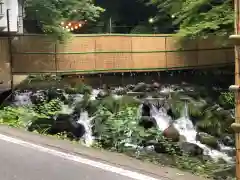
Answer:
[(16, 116), (227, 100), (47, 109), (83, 88)]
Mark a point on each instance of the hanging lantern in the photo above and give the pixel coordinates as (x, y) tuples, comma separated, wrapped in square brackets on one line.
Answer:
[(73, 25)]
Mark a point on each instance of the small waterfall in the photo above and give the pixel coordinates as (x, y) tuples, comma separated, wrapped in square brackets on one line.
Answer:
[(94, 94), (162, 119), (22, 98), (185, 126), (86, 121), (186, 129)]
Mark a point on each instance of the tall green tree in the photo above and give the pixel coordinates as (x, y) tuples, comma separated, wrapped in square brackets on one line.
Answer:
[(198, 18), (50, 13)]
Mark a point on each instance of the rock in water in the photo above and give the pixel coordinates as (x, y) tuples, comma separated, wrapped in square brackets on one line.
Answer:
[(171, 133), (147, 122), (146, 109), (191, 149), (102, 94), (66, 123), (156, 85), (227, 140), (207, 139), (140, 87), (38, 97)]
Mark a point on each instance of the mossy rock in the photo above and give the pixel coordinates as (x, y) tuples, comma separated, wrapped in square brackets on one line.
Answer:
[(140, 87), (176, 107), (226, 100), (71, 90), (128, 101), (192, 94), (207, 139), (92, 107), (171, 133), (83, 88), (195, 111)]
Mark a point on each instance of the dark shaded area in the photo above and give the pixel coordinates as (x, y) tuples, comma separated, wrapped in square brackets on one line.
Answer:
[(4, 95)]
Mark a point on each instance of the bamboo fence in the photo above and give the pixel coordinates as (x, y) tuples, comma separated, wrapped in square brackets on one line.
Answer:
[(112, 53)]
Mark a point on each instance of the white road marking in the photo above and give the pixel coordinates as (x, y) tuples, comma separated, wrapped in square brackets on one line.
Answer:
[(103, 166)]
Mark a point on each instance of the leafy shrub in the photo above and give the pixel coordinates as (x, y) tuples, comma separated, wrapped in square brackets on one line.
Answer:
[(227, 100)]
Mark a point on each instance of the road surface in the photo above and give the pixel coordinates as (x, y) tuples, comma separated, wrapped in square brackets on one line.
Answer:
[(22, 163), (29, 156)]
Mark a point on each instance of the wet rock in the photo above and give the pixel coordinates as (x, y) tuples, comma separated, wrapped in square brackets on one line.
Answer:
[(66, 123), (140, 87), (182, 138), (165, 94), (102, 94), (155, 94), (120, 91), (162, 147), (230, 151), (207, 139), (156, 102), (156, 85), (171, 133), (130, 87), (191, 149), (146, 109), (228, 140), (56, 93), (147, 122), (38, 97), (206, 158)]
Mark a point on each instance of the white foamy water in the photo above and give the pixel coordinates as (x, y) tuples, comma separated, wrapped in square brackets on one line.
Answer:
[(22, 99), (66, 109), (94, 94), (186, 129), (162, 119), (86, 121)]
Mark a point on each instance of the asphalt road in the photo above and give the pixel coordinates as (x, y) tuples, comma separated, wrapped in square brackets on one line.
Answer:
[(23, 163)]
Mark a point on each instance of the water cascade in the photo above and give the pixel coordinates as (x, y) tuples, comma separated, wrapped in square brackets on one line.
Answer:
[(186, 129), (86, 121)]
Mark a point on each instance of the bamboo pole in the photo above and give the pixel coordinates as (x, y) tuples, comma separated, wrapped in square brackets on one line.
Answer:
[(236, 87)]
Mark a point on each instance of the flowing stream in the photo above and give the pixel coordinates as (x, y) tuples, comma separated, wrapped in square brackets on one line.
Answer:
[(186, 129), (184, 124)]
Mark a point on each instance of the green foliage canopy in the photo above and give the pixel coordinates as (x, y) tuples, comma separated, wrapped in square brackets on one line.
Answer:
[(198, 18), (50, 13)]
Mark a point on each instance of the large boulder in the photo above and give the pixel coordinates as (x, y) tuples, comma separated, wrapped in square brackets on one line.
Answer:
[(171, 133), (160, 147), (146, 109), (102, 94), (228, 140), (191, 149), (156, 85), (38, 97), (140, 87), (66, 123), (56, 93), (207, 139), (147, 122)]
